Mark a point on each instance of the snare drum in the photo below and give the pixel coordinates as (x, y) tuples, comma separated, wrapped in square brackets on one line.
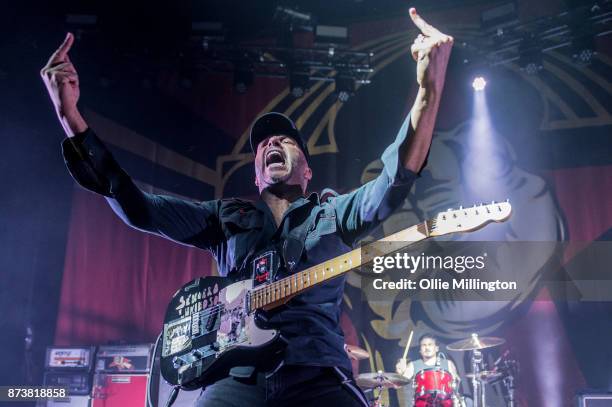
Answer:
[(433, 387)]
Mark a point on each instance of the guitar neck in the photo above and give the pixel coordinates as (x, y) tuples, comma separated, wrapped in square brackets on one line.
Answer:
[(277, 293)]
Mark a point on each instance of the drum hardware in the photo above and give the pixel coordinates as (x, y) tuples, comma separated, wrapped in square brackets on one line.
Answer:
[(379, 381), (477, 384), (478, 377), (474, 342), (488, 376), (508, 369)]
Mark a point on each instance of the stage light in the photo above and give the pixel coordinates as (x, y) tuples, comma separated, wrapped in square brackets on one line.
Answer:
[(485, 161), (299, 82), (479, 83), (584, 56), (345, 87), (530, 56)]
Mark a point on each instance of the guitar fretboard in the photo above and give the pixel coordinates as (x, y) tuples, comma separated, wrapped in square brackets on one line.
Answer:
[(276, 293)]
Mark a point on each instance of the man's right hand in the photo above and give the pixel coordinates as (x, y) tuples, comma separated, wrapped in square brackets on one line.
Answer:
[(62, 82), (401, 366)]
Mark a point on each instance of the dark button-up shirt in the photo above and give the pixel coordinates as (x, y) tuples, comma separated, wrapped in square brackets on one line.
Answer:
[(236, 231)]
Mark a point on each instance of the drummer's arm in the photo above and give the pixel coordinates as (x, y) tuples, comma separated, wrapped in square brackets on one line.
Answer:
[(409, 372), (404, 368), (453, 370)]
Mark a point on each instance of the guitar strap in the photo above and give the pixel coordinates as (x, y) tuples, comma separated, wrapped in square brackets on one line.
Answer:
[(286, 255), (293, 244)]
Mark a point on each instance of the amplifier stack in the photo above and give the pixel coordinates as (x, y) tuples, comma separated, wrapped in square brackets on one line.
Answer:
[(70, 367), (121, 375), (114, 376)]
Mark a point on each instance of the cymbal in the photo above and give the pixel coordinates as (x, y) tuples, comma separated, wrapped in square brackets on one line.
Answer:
[(486, 375), (381, 379), (356, 353), (475, 342)]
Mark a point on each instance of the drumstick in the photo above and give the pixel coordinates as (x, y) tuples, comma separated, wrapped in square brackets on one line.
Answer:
[(407, 345)]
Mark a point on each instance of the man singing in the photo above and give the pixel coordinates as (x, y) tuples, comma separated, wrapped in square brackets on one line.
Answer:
[(298, 231)]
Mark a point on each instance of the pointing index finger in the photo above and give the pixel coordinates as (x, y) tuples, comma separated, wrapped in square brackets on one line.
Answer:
[(65, 47), (60, 54), (421, 24)]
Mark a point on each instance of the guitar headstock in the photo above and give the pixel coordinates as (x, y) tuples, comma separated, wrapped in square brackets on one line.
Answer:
[(468, 219)]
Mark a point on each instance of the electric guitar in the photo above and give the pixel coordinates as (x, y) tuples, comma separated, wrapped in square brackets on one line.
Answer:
[(212, 324)]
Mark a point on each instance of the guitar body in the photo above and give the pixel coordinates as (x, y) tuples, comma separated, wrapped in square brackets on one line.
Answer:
[(208, 330)]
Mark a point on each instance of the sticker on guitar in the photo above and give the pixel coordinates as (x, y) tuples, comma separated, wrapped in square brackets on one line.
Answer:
[(195, 302)]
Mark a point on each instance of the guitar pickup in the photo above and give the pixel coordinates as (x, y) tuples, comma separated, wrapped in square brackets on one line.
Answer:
[(204, 322)]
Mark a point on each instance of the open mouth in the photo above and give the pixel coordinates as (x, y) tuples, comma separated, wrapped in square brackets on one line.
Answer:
[(275, 158)]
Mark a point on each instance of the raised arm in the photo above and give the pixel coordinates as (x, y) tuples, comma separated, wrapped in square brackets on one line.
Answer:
[(361, 210), (431, 50), (93, 167), (405, 368)]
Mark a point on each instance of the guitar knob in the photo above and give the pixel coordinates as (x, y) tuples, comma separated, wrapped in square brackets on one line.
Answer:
[(196, 354)]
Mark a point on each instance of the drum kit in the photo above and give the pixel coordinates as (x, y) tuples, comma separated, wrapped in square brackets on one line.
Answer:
[(435, 387)]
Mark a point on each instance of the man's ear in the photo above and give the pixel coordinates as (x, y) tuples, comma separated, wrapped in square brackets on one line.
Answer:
[(307, 174), (256, 182)]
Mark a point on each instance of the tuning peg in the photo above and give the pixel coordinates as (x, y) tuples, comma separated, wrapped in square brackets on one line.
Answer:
[(507, 200), (460, 207), (492, 202)]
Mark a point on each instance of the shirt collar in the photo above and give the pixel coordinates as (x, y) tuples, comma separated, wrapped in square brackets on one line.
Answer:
[(301, 201)]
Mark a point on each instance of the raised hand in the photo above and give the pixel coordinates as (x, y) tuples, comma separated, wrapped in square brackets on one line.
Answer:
[(431, 50), (62, 82), (401, 365)]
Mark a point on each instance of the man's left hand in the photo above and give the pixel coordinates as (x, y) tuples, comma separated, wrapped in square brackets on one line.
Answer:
[(431, 50)]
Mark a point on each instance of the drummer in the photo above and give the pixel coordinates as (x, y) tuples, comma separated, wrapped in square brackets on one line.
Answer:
[(430, 358)]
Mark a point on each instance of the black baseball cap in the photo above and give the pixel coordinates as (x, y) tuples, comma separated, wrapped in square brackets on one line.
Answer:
[(276, 123)]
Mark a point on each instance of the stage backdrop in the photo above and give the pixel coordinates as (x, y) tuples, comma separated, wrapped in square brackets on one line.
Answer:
[(543, 147)]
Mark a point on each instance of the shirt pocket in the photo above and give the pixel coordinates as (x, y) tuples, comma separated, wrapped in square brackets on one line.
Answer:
[(324, 225)]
